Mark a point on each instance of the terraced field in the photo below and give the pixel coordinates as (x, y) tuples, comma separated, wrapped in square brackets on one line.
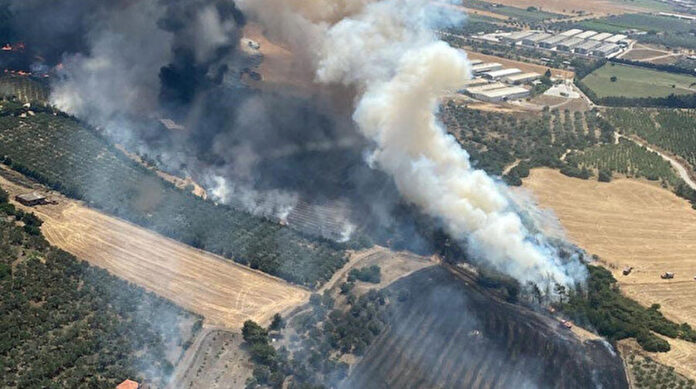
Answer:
[(442, 336)]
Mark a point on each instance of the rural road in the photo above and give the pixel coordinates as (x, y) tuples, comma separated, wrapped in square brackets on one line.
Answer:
[(681, 169)]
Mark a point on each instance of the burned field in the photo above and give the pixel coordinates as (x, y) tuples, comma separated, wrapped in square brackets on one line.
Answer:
[(440, 334)]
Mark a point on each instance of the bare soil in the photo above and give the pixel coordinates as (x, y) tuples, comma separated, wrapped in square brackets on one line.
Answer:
[(596, 7)]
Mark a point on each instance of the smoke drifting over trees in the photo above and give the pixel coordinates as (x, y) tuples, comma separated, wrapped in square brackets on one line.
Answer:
[(127, 64)]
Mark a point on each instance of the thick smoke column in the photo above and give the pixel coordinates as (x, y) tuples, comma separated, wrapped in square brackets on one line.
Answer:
[(388, 51)]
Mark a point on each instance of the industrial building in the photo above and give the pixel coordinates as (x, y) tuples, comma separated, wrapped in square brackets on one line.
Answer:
[(601, 36), (569, 44), (30, 199), (475, 82), (616, 38), (486, 67), (532, 40), (587, 46), (502, 94), (551, 42), (606, 50), (496, 74), (517, 36), (483, 88), (571, 33), (586, 34), (475, 62), (521, 78)]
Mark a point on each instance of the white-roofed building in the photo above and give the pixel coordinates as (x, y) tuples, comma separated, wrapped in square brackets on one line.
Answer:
[(486, 67), (569, 33), (521, 78), (496, 74), (502, 94), (606, 50), (587, 46), (551, 42), (569, 44), (601, 36), (586, 34), (533, 40), (615, 38)]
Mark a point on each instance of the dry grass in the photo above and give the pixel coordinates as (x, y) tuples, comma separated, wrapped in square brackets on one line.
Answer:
[(632, 223), (224, 293)]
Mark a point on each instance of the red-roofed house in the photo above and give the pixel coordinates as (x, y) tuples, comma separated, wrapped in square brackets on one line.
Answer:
[(128, 384)]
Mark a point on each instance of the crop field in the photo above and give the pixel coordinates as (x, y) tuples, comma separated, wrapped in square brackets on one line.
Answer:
[(632, 223), (479, 343), (628, 159), (224, 293), (644, 22), (633, 81), (670, 130), (68, 157), (597, 7)]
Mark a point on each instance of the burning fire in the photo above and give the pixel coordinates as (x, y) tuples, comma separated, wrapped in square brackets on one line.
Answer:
[(16, 47)]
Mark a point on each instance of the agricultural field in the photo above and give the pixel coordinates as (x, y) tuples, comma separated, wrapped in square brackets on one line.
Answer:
[(629, 160), (671, 130), (646, 372), (479, 342), (68, 157), (65, 323), (632, 223), (636, 82), (595, 7), (527, 15), (224, 293)]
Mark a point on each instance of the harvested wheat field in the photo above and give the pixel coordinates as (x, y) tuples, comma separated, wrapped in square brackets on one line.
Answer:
[(595, 7), (224, 293), (632, 223)]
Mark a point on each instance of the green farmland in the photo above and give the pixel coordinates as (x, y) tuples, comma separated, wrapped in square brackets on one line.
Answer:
[(635, 82)]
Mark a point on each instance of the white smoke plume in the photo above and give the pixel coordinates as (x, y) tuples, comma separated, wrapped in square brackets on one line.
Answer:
[(388, 52)]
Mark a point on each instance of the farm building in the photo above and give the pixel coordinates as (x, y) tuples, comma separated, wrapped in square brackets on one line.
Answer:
[(496, 74), (517, 36), (475, 62), (532, 40), (502, 94), (570, 33), (475, 82), (586, 34), (606, 50), (521, 78), (569, 44), (551, 42), (30, 199), (615, 38), (486, 67), (601, 36), (483, 88), (587, 46)]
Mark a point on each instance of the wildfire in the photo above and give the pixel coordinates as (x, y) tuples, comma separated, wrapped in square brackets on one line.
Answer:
[(16, 47), (17, 72)]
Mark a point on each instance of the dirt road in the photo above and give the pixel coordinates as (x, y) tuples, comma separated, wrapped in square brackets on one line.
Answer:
[(225, 293)]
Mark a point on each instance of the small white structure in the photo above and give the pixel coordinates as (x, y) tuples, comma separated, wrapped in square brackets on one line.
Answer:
[(494, 75)]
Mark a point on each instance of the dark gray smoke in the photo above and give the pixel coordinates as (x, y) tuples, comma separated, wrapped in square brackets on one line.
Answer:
[(126, 65)]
